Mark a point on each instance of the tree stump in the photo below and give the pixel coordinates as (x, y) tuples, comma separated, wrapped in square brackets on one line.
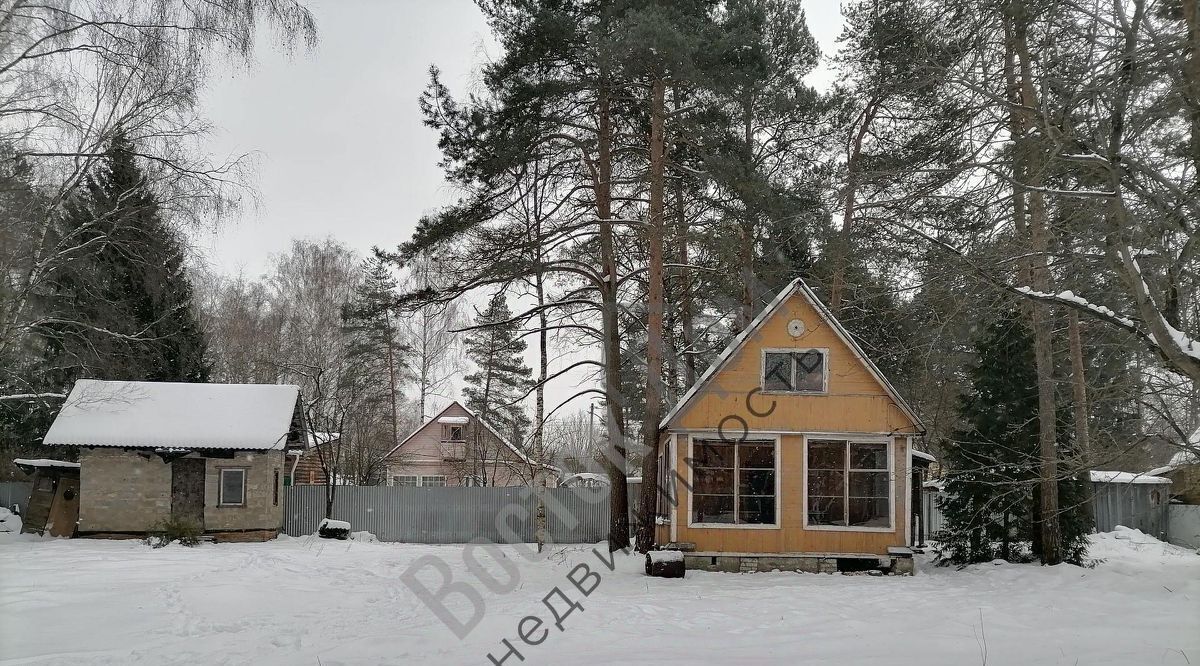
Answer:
[(665, 564)]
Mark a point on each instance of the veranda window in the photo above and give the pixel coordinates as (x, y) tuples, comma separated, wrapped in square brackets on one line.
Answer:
[(733, 482), (849, 484), (437, 481), (404, 480)]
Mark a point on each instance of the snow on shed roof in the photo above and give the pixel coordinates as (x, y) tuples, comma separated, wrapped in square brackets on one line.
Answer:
[(923, 456), (45, 462), (174, 415), (1125, 477)]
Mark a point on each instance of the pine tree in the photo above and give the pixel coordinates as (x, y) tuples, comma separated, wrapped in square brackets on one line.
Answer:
[(122, 307), (501, 378), (374, 341), (991, 506)]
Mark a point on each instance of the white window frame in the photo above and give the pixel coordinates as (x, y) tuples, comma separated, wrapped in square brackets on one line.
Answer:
[(416, 480), (221, 486), (448, 432), (762, 370), (856, 438), (749, 437), (433, 476)]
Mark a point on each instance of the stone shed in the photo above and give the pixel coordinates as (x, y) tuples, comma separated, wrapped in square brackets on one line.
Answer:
[(210, 454)]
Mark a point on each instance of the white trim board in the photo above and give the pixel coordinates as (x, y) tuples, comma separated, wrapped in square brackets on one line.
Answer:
[(738, 342)]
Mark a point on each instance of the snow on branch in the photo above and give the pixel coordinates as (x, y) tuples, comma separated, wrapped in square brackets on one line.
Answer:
[(32, 396)]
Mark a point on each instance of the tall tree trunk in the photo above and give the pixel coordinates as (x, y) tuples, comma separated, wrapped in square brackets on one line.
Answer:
[(618, 509), (841, 244), (1029, 151), (685, 290), (539, 478), (746, 238), (391, 361), (654, 318)]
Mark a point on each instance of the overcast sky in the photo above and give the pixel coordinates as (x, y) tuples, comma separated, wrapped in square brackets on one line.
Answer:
[(340, 147)]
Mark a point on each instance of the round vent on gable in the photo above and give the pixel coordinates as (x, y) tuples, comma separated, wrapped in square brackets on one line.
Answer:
[(796, 328)]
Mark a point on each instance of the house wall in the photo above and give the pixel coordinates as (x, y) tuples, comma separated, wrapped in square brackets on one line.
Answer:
[(791, 536), (1185, 483), (854, 403), (423, 455), (263, 509), (121, 491)]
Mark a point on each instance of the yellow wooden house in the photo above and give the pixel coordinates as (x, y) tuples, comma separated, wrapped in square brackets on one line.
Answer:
[(791, 452)]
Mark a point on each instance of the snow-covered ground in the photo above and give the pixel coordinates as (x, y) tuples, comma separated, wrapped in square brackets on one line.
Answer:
[(311, 601)]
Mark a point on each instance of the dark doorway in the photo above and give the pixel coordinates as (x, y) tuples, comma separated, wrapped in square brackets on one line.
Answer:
[(187, 490)]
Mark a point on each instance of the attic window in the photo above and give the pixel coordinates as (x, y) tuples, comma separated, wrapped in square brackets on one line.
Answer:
[(794, 370), (452, 433)]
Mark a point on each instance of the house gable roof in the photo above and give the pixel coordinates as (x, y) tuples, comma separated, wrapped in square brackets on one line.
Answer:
[(434, 419), (257, 417), (797, 286)]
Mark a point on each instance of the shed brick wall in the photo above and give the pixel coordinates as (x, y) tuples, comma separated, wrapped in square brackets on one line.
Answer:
[(263, 509), (121, 491)]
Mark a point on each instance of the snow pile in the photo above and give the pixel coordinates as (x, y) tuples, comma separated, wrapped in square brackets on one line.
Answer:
[(364, 536), (9, 521)]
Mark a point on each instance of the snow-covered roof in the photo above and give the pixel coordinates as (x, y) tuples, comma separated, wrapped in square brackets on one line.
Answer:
[(923, 456), (1182, 458), (1125, 477), (174, 415), (797, 285), (454, 420), (45, 462), (585, 476), (316, 438)]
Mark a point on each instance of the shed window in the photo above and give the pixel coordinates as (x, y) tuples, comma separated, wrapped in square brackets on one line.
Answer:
[(794, 370), (436, 481), (404, 480), (733, 482), (233, 487), (849, 484), (452, 433)]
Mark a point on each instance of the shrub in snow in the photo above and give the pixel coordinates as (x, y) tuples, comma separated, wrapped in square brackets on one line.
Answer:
[(665, 564), (333, 529), (186, 532)]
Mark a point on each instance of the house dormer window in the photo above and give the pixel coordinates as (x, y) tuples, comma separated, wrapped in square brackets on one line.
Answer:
[(452, 433), (795, 370)]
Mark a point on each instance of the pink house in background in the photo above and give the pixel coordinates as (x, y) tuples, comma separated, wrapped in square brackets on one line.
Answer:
[(457, 448)]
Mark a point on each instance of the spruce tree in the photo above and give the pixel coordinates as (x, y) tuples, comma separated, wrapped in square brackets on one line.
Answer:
[(122, 307), (990, 505)]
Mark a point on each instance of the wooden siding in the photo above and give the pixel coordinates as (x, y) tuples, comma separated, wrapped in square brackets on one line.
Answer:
[(854, 400)]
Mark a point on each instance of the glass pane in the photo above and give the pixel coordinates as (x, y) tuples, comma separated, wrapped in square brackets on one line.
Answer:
[(826, 455), (868, 455), (756, 510), (713, 454), (869, 512), (810, 371), (756, 482), (777, 371), (760, 456), (827, 482), (712, 481), (712, 508), (826, 511), (869, 484), (231, 486)]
